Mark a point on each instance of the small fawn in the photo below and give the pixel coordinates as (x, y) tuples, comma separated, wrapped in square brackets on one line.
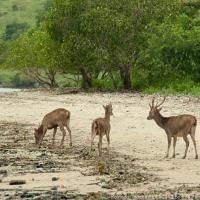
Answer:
[(101, 127)]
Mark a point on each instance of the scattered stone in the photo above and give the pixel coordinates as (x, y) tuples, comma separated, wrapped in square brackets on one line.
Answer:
[(67, 91), (43, 154), (106, 186), (28, 194), (121, 172), (54, 188), (4, 172), (55, 178)]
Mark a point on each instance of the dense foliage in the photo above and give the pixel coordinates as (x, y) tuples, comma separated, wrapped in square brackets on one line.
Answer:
[(14, 30), (111, 44)]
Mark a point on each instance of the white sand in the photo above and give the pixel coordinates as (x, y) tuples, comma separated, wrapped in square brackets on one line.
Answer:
[(131, 134)]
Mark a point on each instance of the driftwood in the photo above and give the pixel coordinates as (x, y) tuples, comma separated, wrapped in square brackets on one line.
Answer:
[(3, 172), (68, 91), (17, 182)]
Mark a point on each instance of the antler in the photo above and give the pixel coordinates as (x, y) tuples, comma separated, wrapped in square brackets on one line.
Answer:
[(157, 105), (152, 104)]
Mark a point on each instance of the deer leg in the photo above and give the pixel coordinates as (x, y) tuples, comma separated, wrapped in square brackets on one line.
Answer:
[(92, 140), (174, 146), (100, 145), (194, 142), (108, 140), (54, 134), (64, 134), (70, 135), (169, 139), (187, 145)]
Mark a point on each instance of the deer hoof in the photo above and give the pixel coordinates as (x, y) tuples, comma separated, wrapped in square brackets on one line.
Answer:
[(70, 144), (92, 150), (173, 156), (166, 156), (196, 157), (183, 157)]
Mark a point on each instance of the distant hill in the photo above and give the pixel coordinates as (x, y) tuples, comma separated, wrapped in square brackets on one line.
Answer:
[(19, 11)]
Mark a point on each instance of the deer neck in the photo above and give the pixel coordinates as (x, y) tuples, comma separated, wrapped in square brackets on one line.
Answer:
[(107, 116), (40, 129), (160, 120)]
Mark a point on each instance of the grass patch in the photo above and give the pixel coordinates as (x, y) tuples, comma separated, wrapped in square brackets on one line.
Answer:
[(102, 85), (20, 11), (68, 80), (186, 87)]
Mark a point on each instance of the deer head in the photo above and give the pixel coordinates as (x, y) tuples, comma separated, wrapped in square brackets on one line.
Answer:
[(108, 109), (154, 109), (38, 134)]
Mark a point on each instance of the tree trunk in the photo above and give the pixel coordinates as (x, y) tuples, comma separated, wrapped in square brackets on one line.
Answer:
[(48, 77), (51, 74), (87, 80), (53, 83), (125, 73)]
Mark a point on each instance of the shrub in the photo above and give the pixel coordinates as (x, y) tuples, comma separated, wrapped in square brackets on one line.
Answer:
[(102, 85), (21, 81)]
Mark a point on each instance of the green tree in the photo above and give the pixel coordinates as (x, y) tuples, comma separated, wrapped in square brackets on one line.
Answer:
[(108, 35), (3, 51), (81, 57), (80, 54), (37, 55), (173, 51)]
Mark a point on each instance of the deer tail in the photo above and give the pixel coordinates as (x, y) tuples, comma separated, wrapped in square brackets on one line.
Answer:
[(68, 118), (69, 115), (195, 121), (94, 128)]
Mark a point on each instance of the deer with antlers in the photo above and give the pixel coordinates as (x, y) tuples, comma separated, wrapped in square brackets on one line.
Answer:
[(174, 126), (101, 127)]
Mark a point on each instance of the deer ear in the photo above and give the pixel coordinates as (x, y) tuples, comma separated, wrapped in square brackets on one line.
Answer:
[(159, 109)]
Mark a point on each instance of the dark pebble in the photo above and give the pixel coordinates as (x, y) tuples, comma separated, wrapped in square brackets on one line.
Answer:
[(55, 178)]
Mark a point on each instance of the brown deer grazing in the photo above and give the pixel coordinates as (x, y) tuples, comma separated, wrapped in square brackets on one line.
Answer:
[(57, 118), (101, 127), (175, 126)]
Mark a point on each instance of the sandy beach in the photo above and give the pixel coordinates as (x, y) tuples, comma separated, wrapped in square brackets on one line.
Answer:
[(135, 166)]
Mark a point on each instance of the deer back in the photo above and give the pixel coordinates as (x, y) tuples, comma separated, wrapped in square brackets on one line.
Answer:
[(180, 124), (102, 125), (55, 118)]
